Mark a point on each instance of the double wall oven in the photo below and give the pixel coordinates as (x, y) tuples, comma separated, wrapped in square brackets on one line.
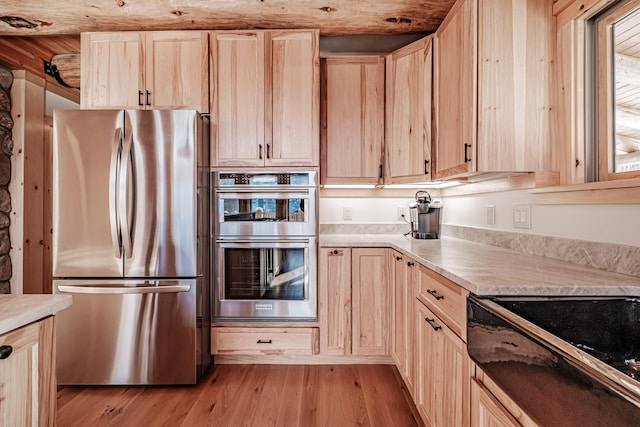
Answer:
[(265, 233)]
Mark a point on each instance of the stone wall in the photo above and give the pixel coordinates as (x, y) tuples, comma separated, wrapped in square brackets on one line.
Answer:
[(6, 148)]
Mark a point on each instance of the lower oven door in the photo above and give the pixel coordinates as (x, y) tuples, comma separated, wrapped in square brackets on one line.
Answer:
[(266, 279)]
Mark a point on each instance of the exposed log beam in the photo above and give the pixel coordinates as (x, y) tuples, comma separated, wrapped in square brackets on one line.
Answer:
[(627, 69), (332, 17), (627, 117), (628, 158), (29, 54), (627, 144)]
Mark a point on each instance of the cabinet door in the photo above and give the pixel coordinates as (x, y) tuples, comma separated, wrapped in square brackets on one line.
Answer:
[(177, 70), (515, 48), (399, 300), (238, 88), (334, 301), (111, 70), (443, 375), (408, 140), (293, 98), (27, 381), (352, 131), (370, 307), (455, 94), (486, 411)]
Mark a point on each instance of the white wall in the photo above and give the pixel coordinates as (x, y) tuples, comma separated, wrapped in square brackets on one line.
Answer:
[(617, 224)]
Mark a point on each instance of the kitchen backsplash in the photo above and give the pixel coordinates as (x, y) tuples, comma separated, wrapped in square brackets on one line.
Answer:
[(603, 256)]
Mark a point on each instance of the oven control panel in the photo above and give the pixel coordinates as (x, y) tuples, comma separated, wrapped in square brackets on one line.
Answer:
[(237, 179)]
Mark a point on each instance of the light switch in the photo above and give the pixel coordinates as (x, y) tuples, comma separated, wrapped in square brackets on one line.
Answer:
[(491, 214), (522, 216), (347, 213)]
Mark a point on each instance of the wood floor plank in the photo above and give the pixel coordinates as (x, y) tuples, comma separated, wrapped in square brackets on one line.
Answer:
[(248, 395), (217, 391), (342, 401), (290, 407), (385, 399)]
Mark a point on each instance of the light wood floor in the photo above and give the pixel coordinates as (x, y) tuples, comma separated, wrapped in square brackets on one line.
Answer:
[(249, 395)]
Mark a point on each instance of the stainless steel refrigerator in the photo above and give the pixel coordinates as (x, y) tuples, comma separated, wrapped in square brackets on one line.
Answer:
[(131, 245)]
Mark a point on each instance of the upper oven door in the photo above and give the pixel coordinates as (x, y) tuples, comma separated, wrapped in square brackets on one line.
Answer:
[(269, 211)]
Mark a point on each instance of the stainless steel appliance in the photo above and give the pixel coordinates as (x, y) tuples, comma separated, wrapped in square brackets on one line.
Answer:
[(265, 245), (564, 361), (426, 216), (131, 244)]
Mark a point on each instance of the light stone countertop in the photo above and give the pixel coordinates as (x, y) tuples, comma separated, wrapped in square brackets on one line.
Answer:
[(19, 310), (491, 271)]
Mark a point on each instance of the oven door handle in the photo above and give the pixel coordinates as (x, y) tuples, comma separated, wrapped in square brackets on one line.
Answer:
[(264, 190), (267, 241)]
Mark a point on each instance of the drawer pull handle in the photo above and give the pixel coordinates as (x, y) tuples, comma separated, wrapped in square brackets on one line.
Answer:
[(264, 342), (5, 351), (432, 323), (434, 294)]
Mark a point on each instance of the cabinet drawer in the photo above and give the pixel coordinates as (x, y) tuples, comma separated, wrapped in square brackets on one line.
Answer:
[(445, 299), (300, 341)]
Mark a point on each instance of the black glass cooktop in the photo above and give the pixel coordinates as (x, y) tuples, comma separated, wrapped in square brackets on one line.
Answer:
[(606, 328)]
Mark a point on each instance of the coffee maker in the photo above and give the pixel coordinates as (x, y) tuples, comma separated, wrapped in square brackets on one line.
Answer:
[(426, 216)]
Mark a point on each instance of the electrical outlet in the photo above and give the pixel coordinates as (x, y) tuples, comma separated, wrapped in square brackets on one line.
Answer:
[(491, 214), (522, 216), (403, 213), (347, 213)]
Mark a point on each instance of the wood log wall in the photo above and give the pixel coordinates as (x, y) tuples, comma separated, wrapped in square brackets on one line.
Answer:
[(6, 147)]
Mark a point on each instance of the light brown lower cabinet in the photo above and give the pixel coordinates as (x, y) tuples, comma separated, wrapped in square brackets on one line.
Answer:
[(486, 411), (403, 294), (264, 341), (492, 407), (353, 301), (27, 375), (442, 386)]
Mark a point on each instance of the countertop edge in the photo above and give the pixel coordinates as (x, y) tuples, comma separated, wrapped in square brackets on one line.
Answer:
[(20, 310), (536, 279)]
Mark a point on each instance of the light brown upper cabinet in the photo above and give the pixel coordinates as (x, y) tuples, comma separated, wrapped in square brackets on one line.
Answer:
[(352, 119), (265, 89), (493, 88), (145, 70), (408, 108)]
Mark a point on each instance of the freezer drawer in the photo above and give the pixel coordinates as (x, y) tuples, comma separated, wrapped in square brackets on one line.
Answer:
[(128, 332)]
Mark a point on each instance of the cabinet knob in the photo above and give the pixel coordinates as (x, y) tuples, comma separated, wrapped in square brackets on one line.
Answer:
[(410, 264), (5, 351), (335, 252), (398, 258)]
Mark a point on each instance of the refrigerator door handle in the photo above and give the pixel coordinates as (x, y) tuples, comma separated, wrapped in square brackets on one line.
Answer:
[(114, 225), (123, 196), (120, 290)]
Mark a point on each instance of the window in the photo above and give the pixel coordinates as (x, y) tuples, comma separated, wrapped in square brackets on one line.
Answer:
[(614, 150)]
